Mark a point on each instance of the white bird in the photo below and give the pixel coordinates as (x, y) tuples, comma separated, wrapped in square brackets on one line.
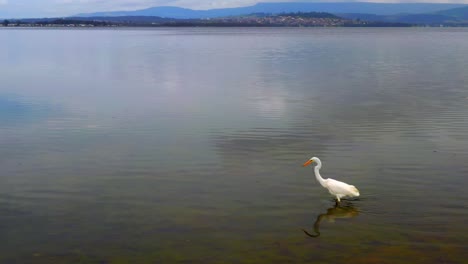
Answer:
[(336, 188)]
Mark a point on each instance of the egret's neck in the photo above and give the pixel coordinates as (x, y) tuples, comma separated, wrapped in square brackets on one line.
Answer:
[(317, 173)]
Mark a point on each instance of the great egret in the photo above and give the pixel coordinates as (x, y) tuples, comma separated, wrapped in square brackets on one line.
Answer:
[(336, 188)]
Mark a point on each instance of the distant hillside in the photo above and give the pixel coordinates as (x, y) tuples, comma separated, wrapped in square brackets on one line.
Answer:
[(460, 13), (276, 8), (416, 19), (450, 17)]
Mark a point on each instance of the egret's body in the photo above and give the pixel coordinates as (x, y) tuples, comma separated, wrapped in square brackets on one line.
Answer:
[(336, 188)]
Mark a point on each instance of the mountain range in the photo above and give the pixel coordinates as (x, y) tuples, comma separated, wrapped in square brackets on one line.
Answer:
[(275, 8), (433, 14), (412, 13)]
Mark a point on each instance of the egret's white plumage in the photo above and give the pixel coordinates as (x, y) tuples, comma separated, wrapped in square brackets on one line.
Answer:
[(336, 188)]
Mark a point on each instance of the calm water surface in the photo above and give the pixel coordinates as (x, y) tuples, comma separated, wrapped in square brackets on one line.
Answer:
[(165, 145)]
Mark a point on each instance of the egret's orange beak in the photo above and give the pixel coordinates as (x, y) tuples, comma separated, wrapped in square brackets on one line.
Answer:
[(307, 163)]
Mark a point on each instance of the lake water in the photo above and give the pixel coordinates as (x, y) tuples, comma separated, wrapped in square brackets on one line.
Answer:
[(186, 144)]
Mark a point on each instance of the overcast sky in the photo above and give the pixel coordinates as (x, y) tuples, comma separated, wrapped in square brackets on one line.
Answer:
[(48, 8)]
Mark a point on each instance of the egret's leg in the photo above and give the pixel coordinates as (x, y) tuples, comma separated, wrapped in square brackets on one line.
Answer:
[(338, 199)]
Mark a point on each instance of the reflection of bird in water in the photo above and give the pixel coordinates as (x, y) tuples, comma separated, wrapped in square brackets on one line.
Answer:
[(336, 188), (333, 213)]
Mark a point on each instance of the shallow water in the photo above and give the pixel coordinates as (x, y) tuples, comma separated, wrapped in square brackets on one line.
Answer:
[(164, 145)]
